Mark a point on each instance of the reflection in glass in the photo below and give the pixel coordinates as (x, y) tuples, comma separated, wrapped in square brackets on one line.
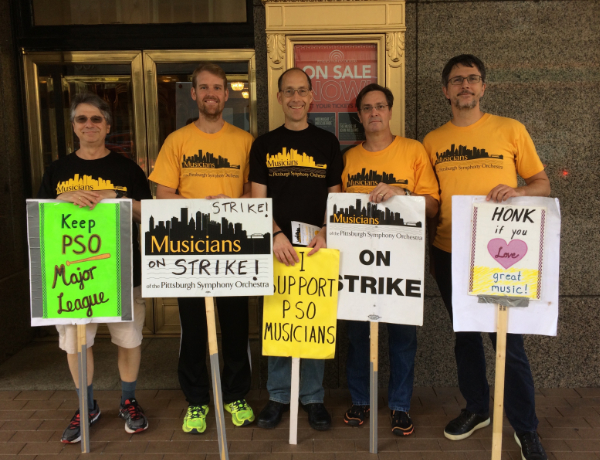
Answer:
[(176, 108), (58, 138)]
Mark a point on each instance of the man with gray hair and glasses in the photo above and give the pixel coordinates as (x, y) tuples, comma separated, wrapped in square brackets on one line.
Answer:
[(86, 177), (477, 153)]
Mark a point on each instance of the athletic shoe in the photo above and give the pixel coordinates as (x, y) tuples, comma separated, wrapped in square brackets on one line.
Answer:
[(465, 424), (72, 434), (195, 419), (401, 423), (355, 416), (133, 414), (531, 447), (241, 412)]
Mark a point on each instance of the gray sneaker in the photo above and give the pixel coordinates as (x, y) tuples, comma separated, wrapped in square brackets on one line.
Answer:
[(133, 414), (72, 433)]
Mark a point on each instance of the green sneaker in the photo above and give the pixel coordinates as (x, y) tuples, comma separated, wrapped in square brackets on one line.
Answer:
[(195, 419), (241, 412)]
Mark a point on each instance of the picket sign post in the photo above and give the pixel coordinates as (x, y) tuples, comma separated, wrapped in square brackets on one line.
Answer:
[(84, 410), (374, 385), (499, 383), (216, 376), (295, 393)]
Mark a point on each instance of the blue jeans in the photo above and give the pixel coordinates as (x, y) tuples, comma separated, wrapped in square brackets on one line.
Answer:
[(311, 380), (519, 391), (403, 347)]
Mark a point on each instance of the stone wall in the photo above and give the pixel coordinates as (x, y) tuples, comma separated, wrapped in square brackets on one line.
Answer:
[(543, 69)]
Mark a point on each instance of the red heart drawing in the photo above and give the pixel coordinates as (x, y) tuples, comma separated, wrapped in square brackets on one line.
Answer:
[(507, 254)]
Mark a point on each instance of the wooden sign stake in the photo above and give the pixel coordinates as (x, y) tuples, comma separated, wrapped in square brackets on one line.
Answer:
[(374, 397), (295, 393), (499, 384), (216, 376), (84, 419)]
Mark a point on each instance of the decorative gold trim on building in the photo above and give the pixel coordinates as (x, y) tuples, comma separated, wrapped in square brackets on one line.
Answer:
[(394, 45), (276, 47)]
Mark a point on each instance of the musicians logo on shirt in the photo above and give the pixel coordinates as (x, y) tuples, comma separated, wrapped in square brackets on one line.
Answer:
[(291, 163), (208, 160), (462, 153), (372, 179), (86, 183)]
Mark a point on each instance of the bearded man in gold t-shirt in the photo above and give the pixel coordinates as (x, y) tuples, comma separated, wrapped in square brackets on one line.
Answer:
[(191, 164), (477, 153)]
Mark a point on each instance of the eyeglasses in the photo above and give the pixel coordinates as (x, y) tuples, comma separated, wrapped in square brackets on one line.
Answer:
[(94, 119), (368, 108), (459, 80), (289, 92)]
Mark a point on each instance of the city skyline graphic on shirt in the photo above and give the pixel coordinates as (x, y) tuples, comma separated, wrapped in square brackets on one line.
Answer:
[(462, 153), (201, 235), (86, 182), (291, 157), (207, 160), (372, 178), (369, 215)]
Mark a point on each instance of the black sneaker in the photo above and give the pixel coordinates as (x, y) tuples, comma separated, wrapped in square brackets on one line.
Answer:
[(401, 423), (318, 417), (72, 434), (355, 416), (531, 447), (465, 424), (133, 414)]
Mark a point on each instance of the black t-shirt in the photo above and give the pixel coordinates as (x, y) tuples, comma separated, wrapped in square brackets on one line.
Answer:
[(112, 172), (297, 167)]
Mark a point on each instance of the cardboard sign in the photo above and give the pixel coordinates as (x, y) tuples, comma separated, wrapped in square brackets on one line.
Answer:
[(197, 248), (541, 316), (80, 262), (299, 320), (507, 250), (382, 259)]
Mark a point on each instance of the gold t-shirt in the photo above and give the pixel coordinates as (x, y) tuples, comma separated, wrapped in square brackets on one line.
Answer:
[(200, 164), (404, 163), (472, 160)]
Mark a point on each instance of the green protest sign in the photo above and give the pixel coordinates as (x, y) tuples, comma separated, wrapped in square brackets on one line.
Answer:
[(80, 262)]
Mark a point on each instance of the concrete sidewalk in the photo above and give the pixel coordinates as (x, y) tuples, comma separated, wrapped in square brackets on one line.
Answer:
[(31, 423)]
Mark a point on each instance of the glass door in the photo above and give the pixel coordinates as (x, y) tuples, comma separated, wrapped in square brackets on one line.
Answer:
[(149, 95), (169, 106)]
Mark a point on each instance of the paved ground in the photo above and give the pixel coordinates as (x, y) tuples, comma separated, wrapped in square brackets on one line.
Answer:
[(31, 423)]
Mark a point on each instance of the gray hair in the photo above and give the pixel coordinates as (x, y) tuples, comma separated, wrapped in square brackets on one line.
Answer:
[(91, 99)]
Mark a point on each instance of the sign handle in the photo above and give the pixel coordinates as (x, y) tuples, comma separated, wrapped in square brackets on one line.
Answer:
[(374, 398), (216, 376), (295, 394), (499, 384), (84, 410)]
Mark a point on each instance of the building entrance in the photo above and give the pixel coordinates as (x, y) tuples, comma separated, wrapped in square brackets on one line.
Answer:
[(149, 95)]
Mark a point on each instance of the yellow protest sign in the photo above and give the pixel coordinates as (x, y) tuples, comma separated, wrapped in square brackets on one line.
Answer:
[(300, 319)]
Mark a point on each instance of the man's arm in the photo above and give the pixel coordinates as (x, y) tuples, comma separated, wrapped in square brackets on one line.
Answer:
[(282, 248), (537, 185), (166, 193), (320, 239), (248, 191)]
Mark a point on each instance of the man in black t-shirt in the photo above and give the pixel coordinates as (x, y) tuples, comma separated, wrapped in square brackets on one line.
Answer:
[(85, 178), (297, 165)]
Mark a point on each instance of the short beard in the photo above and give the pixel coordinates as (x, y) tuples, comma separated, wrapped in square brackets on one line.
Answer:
[(211, 116), (469, 106)]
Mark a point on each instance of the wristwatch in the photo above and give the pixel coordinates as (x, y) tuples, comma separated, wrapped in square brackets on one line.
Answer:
[(407, 192), (120, 194)]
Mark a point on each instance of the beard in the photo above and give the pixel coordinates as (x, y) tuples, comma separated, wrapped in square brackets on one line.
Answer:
[(466, 105), (212, 114)]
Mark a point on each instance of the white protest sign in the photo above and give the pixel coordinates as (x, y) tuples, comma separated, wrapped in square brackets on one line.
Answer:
[(508, 249), (198, 248), (382, 257)]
